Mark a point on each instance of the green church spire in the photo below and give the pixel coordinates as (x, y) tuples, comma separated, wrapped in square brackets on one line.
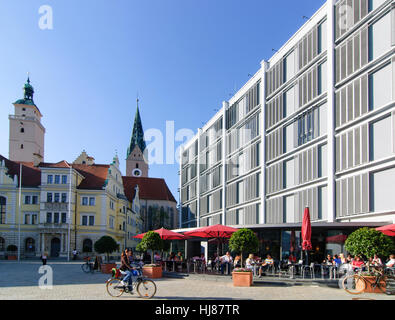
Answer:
[(137, 133), (28, 93)]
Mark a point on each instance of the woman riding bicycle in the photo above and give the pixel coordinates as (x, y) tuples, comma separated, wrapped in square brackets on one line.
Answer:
[(126, 268)]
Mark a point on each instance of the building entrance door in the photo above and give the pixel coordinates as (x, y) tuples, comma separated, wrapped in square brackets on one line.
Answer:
[(55, 247)]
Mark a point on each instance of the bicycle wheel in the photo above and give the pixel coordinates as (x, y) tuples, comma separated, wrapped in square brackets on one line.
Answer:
[(114, 288), (146, 289), (354, 284), (86, 268)]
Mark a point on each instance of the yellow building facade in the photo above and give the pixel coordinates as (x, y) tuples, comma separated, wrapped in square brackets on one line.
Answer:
[(55, 216)]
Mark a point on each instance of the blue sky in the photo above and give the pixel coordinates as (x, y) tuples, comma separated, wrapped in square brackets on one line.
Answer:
[(183, 58)]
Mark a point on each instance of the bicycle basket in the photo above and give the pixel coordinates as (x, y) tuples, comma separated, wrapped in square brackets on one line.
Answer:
[(135, 273)]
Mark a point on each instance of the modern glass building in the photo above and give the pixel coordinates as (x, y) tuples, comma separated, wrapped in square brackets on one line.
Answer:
[(314, 127)]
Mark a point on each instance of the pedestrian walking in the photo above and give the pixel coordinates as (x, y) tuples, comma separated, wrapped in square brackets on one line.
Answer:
[(75, 252), (44, 258)]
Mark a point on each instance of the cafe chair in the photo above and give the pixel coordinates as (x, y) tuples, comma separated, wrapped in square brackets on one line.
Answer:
[(308, 269)]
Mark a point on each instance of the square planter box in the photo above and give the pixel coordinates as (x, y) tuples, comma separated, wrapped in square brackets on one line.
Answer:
[(152, 272), (107, 267), (242, 279), (369, 281)]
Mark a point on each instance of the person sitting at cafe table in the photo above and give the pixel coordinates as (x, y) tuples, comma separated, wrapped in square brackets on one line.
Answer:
[(214, 261), (377, 261), (291, 259), (237, 262), (357, 263), (391, 261), (226, 261), (328, 261), (179, 257), (336, 261), (250, 261), (157, 257), (266, 264)]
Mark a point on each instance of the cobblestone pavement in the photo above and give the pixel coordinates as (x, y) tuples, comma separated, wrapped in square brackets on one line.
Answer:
[(20, 281)]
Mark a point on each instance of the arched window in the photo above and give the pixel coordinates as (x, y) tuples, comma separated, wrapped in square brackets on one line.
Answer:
[(3, 202), (87, 245), (21, 146), (30, 245), (2, 244)]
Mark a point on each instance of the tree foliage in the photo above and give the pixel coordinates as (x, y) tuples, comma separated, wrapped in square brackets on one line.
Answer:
[(243, 241), (151, 241), (107, 245), (368, 242)]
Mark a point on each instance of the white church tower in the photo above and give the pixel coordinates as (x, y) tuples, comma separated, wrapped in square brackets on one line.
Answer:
[(26, 131)]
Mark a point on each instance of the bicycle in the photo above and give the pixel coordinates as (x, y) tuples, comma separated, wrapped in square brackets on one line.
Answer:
[(145, 287), (87, 266), (356, 283)]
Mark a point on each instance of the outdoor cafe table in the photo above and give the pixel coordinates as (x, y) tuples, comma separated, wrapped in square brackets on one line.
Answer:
[(174, 263)]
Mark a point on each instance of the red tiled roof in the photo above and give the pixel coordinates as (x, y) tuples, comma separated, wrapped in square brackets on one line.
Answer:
[(95, 175), (149, 188), (60, 164), (31, 175)]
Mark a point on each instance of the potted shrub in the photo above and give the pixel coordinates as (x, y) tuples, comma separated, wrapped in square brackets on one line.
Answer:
[(106, 245), (367, 242), (151, 241), (243, 241), (12, 252)]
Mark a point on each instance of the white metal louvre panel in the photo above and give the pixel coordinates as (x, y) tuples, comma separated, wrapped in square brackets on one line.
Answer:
[(345, 19), (352, 195), (352, 55)]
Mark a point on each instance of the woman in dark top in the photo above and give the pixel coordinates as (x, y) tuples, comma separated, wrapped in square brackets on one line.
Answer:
[(126, 267)]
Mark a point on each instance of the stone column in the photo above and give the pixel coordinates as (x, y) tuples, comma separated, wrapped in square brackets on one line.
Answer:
[(61, 242), (42, 242)]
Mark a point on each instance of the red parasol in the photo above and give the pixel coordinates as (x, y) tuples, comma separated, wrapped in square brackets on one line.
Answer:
[(165, 235), (306, 230), (388, 230), (340, 238), (216, 231)]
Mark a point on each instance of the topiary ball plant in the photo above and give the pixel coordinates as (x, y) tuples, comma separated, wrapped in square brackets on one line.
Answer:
[(151, 241), (243, 240), (107, 245), (368, 242)]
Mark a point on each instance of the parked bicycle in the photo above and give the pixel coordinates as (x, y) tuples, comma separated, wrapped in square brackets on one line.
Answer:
[(88, 265), (356, 283), (145, 287)]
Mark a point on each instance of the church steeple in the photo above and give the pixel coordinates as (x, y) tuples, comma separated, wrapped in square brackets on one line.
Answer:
[(137, 133), (136, 163), (28, 92)]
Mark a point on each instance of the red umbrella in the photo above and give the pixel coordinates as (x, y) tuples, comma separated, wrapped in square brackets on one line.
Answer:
[(216, 231), (165, 235), (306, 230), (389, 230), (340, 238)]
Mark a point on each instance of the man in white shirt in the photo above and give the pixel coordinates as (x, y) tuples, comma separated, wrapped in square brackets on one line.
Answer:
[(226, 262), (391, 262)]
